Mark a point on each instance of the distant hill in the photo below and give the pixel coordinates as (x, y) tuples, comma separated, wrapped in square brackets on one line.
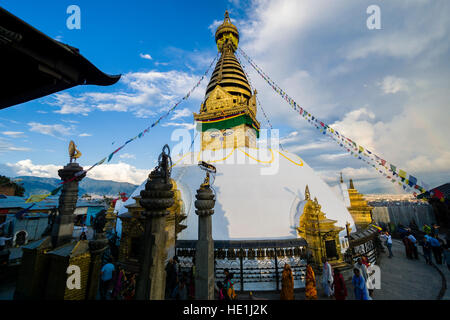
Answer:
[(38, 185)]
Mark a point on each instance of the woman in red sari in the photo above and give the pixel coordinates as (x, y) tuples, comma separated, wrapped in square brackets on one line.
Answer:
[(340, 290)]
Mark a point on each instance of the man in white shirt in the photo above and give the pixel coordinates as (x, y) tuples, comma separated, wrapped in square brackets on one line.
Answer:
[(387, 237)]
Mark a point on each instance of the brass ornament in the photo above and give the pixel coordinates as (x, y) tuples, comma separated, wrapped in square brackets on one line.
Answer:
[(74, 153)]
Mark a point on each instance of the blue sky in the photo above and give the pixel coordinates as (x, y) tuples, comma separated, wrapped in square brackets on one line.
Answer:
[(387, 89)]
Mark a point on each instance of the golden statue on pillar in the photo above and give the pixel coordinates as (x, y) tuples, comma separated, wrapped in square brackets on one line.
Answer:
[(74, 153)]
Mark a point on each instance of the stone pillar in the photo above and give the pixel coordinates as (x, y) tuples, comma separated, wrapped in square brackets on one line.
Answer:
[(156, 199), (62, 228), (204, 254)]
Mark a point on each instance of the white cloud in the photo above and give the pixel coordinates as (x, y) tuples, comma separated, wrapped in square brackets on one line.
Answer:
[(69, 104), (145, 56), (127, 156), (6, 146), (85, 135), (54, 130), (325, 59), (27, 168), (188, 126), (70, 121), (144, 94), (121, 172), (181, 113), (393, 84), (14, 134)]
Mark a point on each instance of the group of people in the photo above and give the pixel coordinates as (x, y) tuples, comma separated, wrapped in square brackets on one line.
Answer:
[(116, 283), (179, 285), (225, 290), (333, 282), (429, 240)]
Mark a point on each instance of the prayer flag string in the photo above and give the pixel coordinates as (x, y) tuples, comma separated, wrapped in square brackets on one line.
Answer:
[(39, 198), (391, 172)]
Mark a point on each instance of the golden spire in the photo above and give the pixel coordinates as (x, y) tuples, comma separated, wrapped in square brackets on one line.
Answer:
[(229, 105), (351, 184), (307, 194), (342, 180)]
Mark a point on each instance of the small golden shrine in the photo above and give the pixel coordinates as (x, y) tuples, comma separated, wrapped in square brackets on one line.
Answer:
[(110, 218), (359, 209), (133, 223), (227, 117), (321, 234)]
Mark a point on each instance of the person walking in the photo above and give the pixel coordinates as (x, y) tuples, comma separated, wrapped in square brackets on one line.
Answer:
[(229, 286), (413, 241), (436, 249), (427, 229), (310, 284), (327, 278), (221, 291), (388, 238), (340, 289), (447, 257), (362, 271), (408, 246), (435, 230), (171, 277), (426, 249), (287, 283), (106, 279), (359, 286)]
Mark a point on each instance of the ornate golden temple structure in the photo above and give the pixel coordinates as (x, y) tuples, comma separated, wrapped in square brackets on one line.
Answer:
[(321, 234), (359, 209), (227, 117), (133, 230)]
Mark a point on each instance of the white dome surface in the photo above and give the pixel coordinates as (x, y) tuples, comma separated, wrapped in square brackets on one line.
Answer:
[(259, 194)]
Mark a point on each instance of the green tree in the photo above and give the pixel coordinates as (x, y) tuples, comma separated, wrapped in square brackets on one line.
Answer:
[(7, 182)]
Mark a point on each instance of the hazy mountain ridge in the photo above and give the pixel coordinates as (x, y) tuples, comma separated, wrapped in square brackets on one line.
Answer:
[(39, 185)]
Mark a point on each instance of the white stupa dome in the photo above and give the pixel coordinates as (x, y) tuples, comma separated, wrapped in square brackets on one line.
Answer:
[(259, 194)]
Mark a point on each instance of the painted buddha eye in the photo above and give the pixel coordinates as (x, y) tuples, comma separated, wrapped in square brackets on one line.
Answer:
[(214, 135), (228, 132)]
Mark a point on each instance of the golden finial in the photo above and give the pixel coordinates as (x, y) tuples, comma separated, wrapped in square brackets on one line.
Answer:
[(227, 35), (307, 194), (74, 153), (315, 200), (351, 184)]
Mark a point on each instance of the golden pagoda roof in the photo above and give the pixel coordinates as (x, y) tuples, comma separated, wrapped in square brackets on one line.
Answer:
[(228, 72)]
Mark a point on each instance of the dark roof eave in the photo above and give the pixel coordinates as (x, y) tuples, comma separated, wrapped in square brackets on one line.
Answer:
[(21, 42)]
